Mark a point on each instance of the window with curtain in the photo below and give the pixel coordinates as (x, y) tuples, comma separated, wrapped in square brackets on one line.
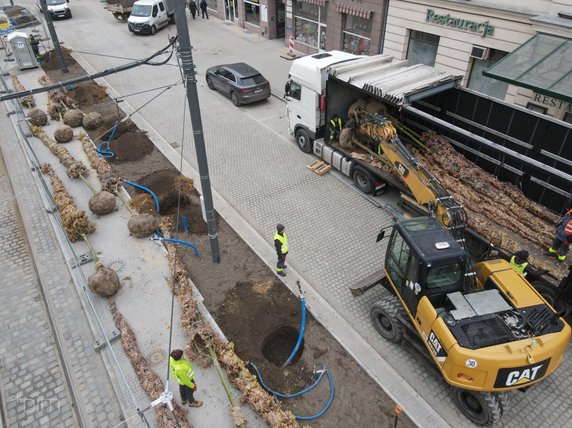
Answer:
[(422, 48), (357, 35), (310, 24)]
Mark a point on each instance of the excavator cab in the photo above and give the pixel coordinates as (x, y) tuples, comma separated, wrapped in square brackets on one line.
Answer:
[(423, 259)]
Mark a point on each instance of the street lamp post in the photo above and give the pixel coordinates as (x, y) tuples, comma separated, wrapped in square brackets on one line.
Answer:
[(185, 51)]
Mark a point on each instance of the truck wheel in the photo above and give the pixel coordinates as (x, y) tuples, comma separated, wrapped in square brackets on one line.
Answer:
[(304, 142), (234, 99), (384, 318), (482, 408), (153, 30), (210, 83), (172, 19), (363, 180)]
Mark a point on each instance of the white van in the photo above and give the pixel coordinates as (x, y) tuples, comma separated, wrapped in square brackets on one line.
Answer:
[(147, 16)]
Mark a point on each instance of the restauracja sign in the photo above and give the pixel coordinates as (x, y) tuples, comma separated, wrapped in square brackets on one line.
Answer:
[(482, 28)]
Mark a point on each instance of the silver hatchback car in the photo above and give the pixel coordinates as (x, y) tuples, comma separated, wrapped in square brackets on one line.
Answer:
[(242, 83)]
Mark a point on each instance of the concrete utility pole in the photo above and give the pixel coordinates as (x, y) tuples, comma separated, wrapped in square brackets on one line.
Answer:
[(54, 36), (193, 99)]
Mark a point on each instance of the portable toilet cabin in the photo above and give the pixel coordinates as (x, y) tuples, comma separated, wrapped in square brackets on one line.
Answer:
[(23, 53)]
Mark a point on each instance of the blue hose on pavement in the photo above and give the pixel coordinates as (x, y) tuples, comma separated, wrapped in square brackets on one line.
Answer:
[(103, 148), (297, 394), (302, 327), (188, 244), (138, 186)]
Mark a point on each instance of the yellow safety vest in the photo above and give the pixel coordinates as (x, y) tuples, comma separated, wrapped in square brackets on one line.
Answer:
[(518, 267), (183, 372), (283, 240), (335, 123)]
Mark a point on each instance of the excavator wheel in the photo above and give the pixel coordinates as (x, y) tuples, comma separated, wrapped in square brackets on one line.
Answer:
[(483, 408), (384, 317)]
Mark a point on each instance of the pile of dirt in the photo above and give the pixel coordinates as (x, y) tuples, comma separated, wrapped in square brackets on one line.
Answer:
[(253, 309)]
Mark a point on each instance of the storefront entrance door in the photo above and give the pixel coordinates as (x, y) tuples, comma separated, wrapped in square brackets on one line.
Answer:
[(229, 10), (280, 19)]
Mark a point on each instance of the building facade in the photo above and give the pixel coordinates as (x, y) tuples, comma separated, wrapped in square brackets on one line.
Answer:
[(354, 26), (467, 37)]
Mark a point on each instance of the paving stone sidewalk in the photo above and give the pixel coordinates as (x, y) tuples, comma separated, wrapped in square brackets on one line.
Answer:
[(34, 386)]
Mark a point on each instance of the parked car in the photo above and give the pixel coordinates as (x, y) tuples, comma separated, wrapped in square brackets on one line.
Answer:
[(242, 83), (58, 9)]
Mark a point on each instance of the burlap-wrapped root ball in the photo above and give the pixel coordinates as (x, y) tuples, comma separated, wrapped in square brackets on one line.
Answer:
[(143, 225), (38, 117), (104, 282), (92, 120), (346, 138), (73, 117), (102, 203), (63, 134)]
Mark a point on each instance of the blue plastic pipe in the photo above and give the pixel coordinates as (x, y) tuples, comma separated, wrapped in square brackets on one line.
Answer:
[(188, 244), (328, 404), (302, 327), (103, 148), (296, 394), (279, 394), (144, 189)]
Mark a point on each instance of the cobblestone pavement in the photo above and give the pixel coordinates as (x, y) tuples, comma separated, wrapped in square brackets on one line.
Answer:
[(260, 172), (41, 315)]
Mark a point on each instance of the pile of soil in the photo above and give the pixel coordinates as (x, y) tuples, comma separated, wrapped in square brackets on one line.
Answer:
[(254, 310)]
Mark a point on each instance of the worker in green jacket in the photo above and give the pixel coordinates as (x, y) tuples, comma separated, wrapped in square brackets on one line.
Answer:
[(335, 127), (182, 371), (281, 245)]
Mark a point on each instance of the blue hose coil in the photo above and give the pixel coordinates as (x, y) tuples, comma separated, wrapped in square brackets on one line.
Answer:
[(138, 186), (103, 148), (296, 394)]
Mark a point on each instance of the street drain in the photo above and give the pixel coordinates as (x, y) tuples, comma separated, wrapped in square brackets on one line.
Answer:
[(279, 344)]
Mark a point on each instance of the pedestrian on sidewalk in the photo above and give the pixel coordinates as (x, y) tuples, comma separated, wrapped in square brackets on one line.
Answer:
[(193, 8), (182, 371), (203, 6), (281, 244), (563, 237)]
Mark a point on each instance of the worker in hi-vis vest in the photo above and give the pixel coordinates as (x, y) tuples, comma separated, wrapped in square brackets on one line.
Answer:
[(281, 244), (182, 371)]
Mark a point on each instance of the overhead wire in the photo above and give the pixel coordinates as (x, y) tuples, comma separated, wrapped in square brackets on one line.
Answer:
[(176, 247)]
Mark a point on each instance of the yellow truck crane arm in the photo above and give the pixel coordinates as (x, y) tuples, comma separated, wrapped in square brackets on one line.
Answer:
[(424, 187)]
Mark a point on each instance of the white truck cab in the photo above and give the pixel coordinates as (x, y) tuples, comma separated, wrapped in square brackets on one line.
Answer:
[(147, 16), (305, 95)]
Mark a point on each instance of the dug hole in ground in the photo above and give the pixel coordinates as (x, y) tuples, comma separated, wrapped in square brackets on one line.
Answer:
[(254, 310)]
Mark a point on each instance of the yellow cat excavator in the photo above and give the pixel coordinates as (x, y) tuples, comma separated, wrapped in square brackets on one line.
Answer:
[(485, 326)]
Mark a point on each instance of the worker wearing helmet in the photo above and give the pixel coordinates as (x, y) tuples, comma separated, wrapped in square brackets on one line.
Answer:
[(281, 244)]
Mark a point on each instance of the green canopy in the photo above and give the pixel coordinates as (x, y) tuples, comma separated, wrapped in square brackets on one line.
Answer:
[(543, 64)]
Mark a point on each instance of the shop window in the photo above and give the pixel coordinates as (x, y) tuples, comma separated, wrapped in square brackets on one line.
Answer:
[(568, 117), (310, 24), (484, 84), (422, 48), (357, 35), (536, 108), (252, 12), (211, 4)]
